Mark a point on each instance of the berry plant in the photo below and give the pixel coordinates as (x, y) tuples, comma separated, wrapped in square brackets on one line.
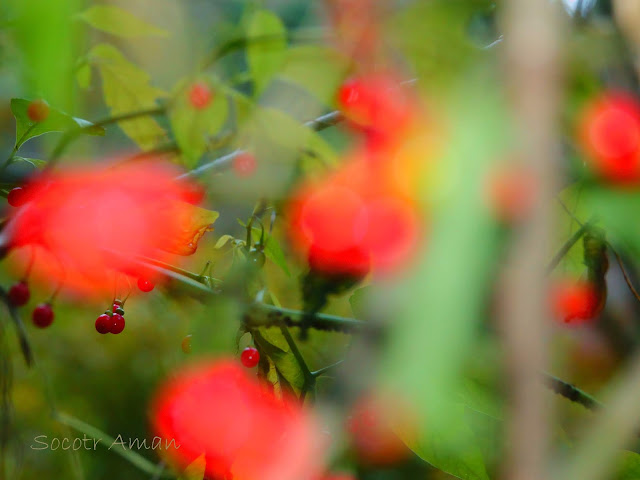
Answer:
[(333, 240)]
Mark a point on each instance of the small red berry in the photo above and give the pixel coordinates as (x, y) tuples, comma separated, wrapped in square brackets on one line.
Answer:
[(17, 197), (38, 111), (103, 323), (193, 193), (200, 95), (43, 315), (19, 294), (117, 323), (244, 164), (145, 285), (575, 301), (250, 357)]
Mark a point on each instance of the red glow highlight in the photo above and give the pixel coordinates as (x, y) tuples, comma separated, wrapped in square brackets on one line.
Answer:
[(243, 430), (354, 220), (609, 132), (87, 225), (575, 302)]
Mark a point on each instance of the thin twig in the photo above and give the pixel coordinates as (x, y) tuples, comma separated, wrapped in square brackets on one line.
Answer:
[(571, 392), (624, 274)]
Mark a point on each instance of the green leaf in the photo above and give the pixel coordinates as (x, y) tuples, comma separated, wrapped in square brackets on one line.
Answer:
[(223, 240), (116, 21), (266, 49), (272, 249), (272, 344), (452, 449), (126, 89), (193, 127), (57, 121), (318, 69)]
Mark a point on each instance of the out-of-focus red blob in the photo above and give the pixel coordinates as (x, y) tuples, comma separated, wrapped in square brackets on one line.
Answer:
[(609, 132), (244, 164), (84, 225), (378, 104), (574, 301), (200, 95), (510, 193), (354, 220), (38, 110), (243, 430), (371, 429)]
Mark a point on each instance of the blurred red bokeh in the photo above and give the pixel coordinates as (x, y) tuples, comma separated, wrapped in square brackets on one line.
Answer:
[(242, 428), (84, 226), (609, 133)]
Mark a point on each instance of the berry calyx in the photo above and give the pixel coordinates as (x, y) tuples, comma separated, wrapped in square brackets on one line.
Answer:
[(103, 324), (19, 294), (17, 197), (244, 164), (38, 111), (145, 285), (43, 315), (118, 310), (117, 323), (250, 357), (200, 95)]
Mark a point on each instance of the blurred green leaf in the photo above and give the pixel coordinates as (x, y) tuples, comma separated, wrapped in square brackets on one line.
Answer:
[(317, 68), (126, 89), (628, 466), (436, 446), (83, 75), (120, 22), (36, 162), (192, 126), (266, 47), (57, 121), (617, 211), (360, 301)]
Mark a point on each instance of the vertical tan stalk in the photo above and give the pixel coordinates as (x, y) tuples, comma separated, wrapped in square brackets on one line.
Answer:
[(532, 73)]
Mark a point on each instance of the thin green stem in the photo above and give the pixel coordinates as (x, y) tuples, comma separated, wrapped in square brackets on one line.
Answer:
[(309, 378), (16, 147), (74, 133), (557, 258)]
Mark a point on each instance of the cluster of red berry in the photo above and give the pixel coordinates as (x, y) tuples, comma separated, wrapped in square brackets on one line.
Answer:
[(19, 295), (111, 321)]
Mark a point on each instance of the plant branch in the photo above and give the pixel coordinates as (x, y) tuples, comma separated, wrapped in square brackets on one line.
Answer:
[(557, 258), (571, 392), (624, 274), (25, 345), (224, 162), (74, 133)]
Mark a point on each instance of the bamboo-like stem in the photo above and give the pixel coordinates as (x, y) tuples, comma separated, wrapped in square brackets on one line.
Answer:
[(532, 77)]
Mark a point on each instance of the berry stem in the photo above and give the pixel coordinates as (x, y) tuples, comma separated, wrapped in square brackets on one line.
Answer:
[(25, 345)]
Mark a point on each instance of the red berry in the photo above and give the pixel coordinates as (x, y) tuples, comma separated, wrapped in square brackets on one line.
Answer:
[(38, 111), (193, 193), (43, 315), (145, 285), (19, 294), (250, 357), (244, 164), (17, 197), (117, 323), (103, 323), (200, 95)]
